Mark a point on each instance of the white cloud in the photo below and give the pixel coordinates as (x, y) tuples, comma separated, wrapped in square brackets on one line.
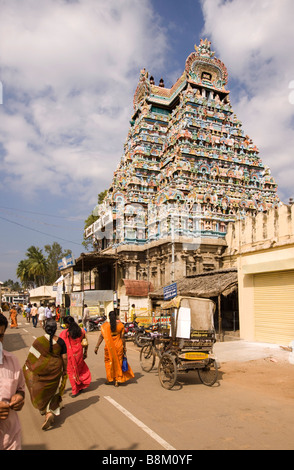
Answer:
[(70, 68), (255, 41), (69, 71)]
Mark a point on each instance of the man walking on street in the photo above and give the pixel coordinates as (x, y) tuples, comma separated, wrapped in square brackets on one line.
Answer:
[(62, 313), (86, 315), (41, 313), (28, 312), (34, 313), (48, 312)]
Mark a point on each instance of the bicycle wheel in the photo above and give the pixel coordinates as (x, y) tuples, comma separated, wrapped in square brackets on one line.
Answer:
[(147, 357), (167, 371), (208, 375), (140, 339)]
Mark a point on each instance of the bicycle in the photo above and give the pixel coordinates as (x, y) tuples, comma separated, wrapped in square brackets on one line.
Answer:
[(156, 345)]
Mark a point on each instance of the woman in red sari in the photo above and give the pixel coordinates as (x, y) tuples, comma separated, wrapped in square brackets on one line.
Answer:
[(113, 334), (77, 345)]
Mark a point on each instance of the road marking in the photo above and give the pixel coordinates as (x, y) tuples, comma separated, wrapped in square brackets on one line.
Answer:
[(25, 330), (141, 425)]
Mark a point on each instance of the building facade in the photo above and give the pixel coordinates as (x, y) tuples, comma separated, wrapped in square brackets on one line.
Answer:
[(262, 248), (187, 171)]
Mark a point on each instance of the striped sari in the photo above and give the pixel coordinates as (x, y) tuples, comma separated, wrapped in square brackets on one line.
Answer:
[(43, 371)]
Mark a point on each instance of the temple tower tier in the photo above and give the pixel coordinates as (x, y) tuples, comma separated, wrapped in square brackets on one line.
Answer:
[(187, 170)]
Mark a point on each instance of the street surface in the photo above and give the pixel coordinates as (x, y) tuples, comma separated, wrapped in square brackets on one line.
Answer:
[(240, 412)]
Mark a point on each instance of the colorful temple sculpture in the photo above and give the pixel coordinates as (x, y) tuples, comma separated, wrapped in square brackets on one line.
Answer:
[(188, 169)]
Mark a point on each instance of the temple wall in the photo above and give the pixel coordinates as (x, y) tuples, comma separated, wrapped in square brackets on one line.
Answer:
[(262, 248), (264, 231)]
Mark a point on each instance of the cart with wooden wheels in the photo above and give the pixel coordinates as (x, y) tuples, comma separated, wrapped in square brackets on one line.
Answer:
[(191, 341)]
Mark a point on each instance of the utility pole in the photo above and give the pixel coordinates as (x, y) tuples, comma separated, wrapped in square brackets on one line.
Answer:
[(172, 250)]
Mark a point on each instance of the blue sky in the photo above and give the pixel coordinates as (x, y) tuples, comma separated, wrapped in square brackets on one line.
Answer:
[(69, 70)]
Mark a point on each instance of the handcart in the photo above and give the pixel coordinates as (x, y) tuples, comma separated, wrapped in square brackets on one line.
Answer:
[(189, 345)]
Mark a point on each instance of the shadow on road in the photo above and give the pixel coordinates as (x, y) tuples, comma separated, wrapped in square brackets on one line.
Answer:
[(73, 407), (13, 342)]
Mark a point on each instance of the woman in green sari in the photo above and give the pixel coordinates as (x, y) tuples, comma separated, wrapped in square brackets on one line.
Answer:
[(45, 373)]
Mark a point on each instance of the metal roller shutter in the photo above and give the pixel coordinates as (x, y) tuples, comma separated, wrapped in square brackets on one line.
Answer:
[(274, 307)]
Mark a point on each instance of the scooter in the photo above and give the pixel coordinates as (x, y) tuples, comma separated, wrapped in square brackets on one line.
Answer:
[(96, 322)]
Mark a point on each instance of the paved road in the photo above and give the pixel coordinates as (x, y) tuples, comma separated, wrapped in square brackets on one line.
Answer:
[(141, 415)]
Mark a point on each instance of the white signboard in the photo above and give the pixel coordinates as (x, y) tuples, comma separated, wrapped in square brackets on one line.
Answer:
[(184, 323)]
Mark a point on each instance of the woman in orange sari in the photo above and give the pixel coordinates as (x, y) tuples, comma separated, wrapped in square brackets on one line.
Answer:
[(113, 334), (13, 317)]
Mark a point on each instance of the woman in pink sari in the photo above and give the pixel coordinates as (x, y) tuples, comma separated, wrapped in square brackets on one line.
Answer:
[(77, 345)]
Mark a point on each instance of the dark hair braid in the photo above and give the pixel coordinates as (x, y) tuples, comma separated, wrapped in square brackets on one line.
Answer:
[(50, 328), (112, 320)]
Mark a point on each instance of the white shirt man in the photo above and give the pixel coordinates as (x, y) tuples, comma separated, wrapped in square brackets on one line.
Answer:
[(48, 312), (41, 313)]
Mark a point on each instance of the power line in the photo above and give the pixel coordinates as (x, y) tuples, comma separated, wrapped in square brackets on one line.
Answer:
[(40, 213), (39, 222), (38, 231)]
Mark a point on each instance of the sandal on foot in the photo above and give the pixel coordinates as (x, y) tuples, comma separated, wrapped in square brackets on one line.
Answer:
[(48, 421)]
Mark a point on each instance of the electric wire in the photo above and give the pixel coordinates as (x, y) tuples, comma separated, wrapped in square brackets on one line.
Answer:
[(40, 222), (38, 231), (40, 213)]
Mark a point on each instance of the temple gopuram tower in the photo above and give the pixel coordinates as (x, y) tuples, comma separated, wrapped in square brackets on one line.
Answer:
[(188, 169)]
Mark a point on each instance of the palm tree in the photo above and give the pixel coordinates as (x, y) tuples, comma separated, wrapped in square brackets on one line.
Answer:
[(23, 273), (38, 269), (37, 264)]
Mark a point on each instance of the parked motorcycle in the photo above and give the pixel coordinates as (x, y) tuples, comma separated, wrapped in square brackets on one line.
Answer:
[(96, 322), (132, 329), (145, 333)]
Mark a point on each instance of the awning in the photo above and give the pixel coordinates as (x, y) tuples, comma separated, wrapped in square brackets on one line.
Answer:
[(136, 288), (205, 285), (173, 303)]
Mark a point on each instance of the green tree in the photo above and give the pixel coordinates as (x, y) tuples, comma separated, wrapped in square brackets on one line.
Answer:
[(54, 253), (37, 265), (37, 269), (23, 273), (15, 286), (87, 243), (102, 196)]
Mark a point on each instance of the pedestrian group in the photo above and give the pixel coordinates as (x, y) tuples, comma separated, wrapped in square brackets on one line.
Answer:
[(51, 360)]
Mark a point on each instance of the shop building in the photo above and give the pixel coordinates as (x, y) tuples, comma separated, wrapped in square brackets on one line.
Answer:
[(262, 249)]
